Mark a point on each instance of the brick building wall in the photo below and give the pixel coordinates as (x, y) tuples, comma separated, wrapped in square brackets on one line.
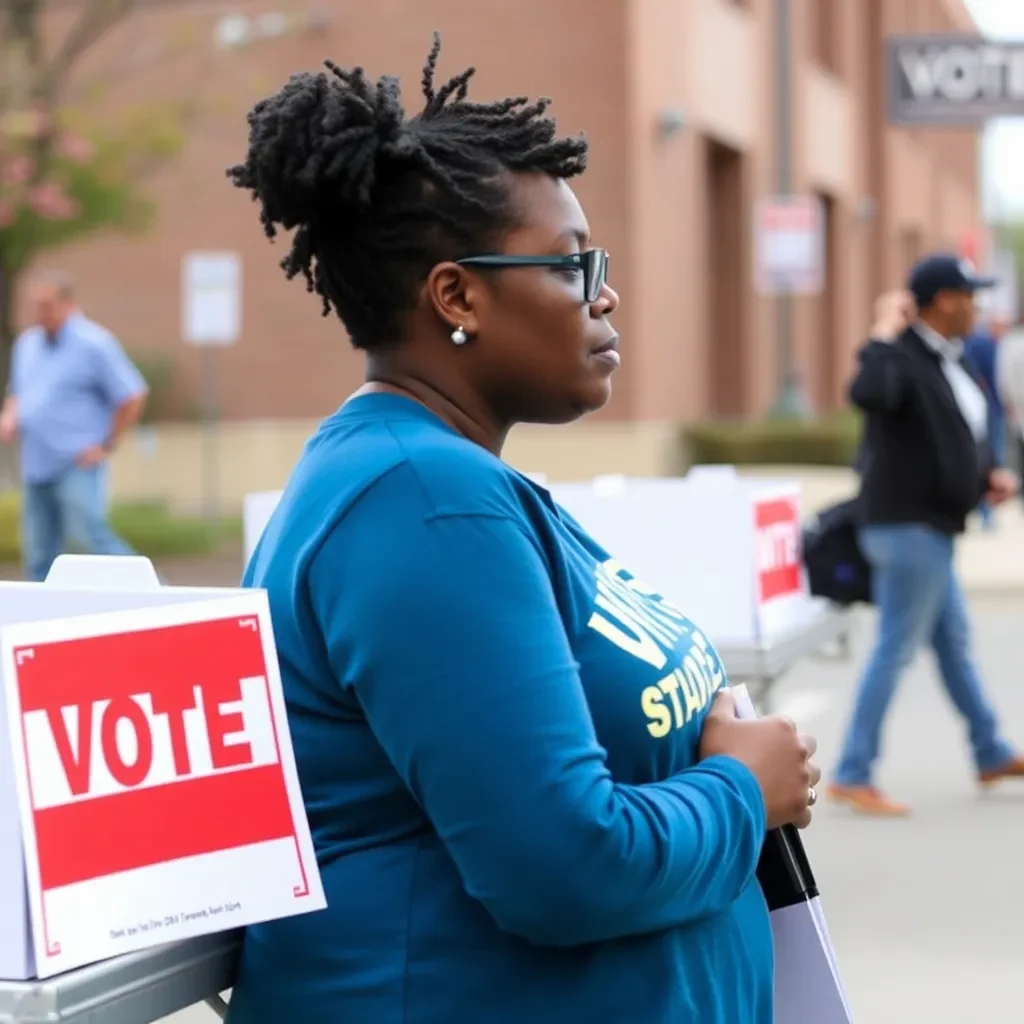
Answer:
[(673, 208)]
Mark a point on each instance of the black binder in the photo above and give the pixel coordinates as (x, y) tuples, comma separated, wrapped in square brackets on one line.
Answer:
[(784, 871)]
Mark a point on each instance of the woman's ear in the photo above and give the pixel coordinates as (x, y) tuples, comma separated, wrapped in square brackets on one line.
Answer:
[(455, 293)]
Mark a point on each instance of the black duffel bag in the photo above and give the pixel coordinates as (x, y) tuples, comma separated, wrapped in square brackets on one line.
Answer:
[(836, 568)]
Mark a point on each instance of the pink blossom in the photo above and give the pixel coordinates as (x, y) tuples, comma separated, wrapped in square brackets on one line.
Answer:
[(75, 148), (18, 170), (51, 202), (6, 213)]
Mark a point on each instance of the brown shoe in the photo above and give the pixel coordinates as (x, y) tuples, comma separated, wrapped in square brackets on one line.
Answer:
[(867, 800), (1013, 769)]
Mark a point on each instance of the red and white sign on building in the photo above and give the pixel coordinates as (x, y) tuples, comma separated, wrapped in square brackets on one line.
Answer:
[(789, 245), (157, 790)]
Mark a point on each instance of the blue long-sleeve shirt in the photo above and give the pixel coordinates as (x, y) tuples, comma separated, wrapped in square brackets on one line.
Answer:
[(496, 729)]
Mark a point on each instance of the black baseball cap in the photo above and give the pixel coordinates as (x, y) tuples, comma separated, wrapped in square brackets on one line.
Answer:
[(944, 272)]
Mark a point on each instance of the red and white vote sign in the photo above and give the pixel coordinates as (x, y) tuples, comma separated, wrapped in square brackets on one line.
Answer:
[(777, 547), (158, 792)]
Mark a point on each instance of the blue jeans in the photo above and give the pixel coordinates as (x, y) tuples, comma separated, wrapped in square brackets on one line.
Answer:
[(919, 600), (69, 510)]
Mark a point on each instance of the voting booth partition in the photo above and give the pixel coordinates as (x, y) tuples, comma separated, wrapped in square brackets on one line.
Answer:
[(148, 788), (724, 549), (257, 508)]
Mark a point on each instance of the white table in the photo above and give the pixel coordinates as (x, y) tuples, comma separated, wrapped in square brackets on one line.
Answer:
[(759, 666), (134, 989)]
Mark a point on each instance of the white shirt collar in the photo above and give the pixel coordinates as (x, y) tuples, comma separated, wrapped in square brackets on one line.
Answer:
[(970, 399), (948, 348)]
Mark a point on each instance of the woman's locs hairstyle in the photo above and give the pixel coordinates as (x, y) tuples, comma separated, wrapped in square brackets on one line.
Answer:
[(377, 200)]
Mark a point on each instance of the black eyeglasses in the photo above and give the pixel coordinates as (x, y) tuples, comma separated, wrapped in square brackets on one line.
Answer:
[(593, 264)]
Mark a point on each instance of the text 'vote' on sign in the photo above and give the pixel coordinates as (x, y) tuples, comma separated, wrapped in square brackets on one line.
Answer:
[(148, 746), (777, 523)]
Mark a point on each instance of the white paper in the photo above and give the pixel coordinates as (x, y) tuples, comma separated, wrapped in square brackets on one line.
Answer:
[(808, 987), (744, 705)]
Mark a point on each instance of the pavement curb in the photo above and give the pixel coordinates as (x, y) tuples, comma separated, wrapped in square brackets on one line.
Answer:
[(994, 591)]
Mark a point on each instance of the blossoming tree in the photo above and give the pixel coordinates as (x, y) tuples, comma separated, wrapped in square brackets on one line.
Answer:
[(69, 165), (66, 172), (63, 181)]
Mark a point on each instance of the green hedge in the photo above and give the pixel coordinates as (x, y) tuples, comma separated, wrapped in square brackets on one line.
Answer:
[(147, 526), (830, 441)]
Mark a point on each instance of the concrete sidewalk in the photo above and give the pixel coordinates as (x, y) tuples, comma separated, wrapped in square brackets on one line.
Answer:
[(991, 563)]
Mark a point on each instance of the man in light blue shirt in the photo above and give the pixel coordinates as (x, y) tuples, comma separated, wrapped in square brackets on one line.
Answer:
[(72, 394)]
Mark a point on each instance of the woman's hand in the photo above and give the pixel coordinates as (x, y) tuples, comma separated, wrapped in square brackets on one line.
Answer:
[(778, 757)]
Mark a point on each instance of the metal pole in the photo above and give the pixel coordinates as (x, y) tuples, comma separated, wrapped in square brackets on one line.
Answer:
[(211, 432), (790, 401)]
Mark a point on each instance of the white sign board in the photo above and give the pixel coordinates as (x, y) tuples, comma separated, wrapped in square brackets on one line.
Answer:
[(723, 549), (947, 80), (149, 787), (211, 298), (808, 987), (789, 245)]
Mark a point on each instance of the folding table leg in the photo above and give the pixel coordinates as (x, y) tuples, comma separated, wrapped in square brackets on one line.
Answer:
[(218, 1005)]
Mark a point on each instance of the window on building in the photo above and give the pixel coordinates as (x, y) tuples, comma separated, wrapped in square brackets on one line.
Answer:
[(826, 33)]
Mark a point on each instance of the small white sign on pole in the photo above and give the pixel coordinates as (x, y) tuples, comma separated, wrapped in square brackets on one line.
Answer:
[(211, 298), (789, 245)]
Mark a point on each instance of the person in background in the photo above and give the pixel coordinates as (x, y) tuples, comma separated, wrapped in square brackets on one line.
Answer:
[(72, 393), (530, 799), (980, 350), (1010, 385), (925, 463)]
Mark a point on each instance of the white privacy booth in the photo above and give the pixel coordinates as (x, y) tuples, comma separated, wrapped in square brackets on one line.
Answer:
[(257, 508), (712, 540), (723, 548)]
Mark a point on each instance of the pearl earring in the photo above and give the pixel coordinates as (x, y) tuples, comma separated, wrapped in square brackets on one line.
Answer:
[(459, 336)]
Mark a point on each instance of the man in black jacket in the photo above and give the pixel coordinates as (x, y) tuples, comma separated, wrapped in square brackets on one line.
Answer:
[(925, 463)]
